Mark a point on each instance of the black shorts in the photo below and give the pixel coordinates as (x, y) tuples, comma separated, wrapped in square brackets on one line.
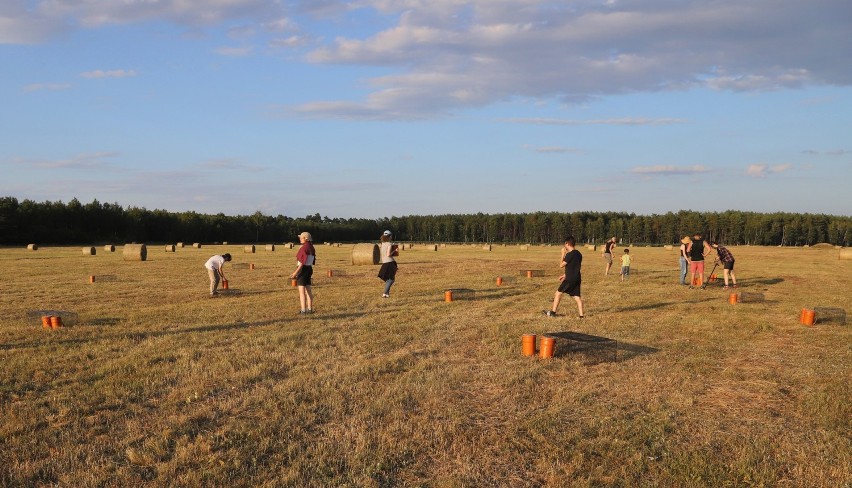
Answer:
[(388, 271), (569, 287), (729, 266), (304, 278)]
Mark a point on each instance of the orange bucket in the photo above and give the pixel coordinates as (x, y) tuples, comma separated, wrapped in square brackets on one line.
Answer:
[(696, 281), (294, 283), (808, 317), (251, 266), (547, 347), (55, 321), (45, 321), (448, 296), (91, 279), (499, 280), (528, 344), (733, 298), (330, 273), (224, 284), (529, 274)]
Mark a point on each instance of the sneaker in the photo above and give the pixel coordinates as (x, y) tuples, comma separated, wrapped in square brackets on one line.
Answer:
[(691, 287), (310, 310), (735, 285), (549, 313), (582, 316), (725, 287), (385, 295)]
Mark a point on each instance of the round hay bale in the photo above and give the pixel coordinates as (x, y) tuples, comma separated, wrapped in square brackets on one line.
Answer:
[(179, 245), (668, 247), (32, 247), (288, 245), (89, 251), (224, 243), (845, 254), (525, 248), (249, 249), (823, 246), (196, 245), (365, 254), (431, 247), (109, 248), (270, 247), (170, 248), (486, 247), (135, 252)]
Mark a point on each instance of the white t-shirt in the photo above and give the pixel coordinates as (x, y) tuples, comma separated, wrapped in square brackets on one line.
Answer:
[(386, 247), (215, 263)]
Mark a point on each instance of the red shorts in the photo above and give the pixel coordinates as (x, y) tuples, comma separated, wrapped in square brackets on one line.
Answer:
[(696, 266)]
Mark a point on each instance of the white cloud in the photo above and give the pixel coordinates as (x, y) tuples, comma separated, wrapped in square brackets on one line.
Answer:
[(762, 170), (664, 170), (33, 87), (116, 73), (233, 51), (96, 160), (555, 150)]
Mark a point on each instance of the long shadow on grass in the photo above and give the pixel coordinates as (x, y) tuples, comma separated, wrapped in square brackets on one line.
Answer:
[(765, 281), (652, 306), (592, 349)]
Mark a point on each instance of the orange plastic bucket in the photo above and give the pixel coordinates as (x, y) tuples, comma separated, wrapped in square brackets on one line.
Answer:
[(55, 321), (528, 344), (529, 274), (45, 321), (251, 266), (733, 298), (330, 273), (91, 279), (499, 280), (224, 284), (547, 347), (448, 296), (294, 283), (808, 317)]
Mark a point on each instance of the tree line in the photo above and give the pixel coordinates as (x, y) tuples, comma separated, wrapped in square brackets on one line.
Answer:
[(49, 222)]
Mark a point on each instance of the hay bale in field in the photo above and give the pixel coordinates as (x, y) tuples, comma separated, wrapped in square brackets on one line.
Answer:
[(593, 247), (135, 252), (170, 248), (443, 246), (249, 249), (89, 251), (845, 254), (486, 247), (365, 254), (32, 247), (270, 247), (668, 247), (823, 246), (431, 247), (196, 245), (224, 243), (109, 248), (525, 248), (179, 245), (288, 245)]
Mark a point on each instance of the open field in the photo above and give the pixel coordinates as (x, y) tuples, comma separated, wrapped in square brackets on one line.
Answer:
[(156, 383)]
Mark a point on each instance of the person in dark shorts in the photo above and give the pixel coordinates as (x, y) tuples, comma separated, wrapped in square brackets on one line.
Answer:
[(727, 260), (697, 249), (387, 272), (570, 279), (305, 259), (609, 247)]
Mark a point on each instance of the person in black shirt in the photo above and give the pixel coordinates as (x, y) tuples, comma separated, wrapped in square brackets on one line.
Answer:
[(570, 280), (697, 250)]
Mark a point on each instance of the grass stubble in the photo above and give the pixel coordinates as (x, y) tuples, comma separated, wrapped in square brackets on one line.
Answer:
[(158, 384)]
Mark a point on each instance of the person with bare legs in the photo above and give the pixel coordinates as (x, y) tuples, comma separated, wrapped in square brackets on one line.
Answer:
[(697, 250), (305, 259), (609, 247), (570, 280), (727, 260)]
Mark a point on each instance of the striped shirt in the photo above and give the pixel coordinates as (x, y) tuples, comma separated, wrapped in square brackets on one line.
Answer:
[(725, 256)]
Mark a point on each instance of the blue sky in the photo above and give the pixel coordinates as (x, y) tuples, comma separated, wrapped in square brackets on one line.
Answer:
[(375, 108)]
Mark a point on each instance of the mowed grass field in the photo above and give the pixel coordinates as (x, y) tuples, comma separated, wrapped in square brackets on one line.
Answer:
[(155, 383)]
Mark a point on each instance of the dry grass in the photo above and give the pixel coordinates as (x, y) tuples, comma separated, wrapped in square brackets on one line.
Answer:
[(156, 383)]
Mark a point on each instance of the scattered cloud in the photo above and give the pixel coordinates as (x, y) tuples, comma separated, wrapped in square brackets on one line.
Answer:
[(664, 170), (233, 51), (554, 149), (618, 121), (833, 152), (34, 87), (763, 170), (229, 164), (116, 73), (292, 41), (97, 160)]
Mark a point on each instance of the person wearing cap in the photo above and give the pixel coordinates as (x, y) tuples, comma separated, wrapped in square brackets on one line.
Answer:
[(684, 259), (214, 271), (387, 272), (305, 259)]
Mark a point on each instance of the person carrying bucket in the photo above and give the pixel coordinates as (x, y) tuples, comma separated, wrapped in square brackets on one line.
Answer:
[(305, 259), (214, 271), (387, 272)]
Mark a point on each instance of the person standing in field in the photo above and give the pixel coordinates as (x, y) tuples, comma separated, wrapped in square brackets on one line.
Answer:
[(570, 279), (697, 249), (609, 246), (684, 259), (214, 271), (625, 264), (727, 260), (305, 259), (389, 252)]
